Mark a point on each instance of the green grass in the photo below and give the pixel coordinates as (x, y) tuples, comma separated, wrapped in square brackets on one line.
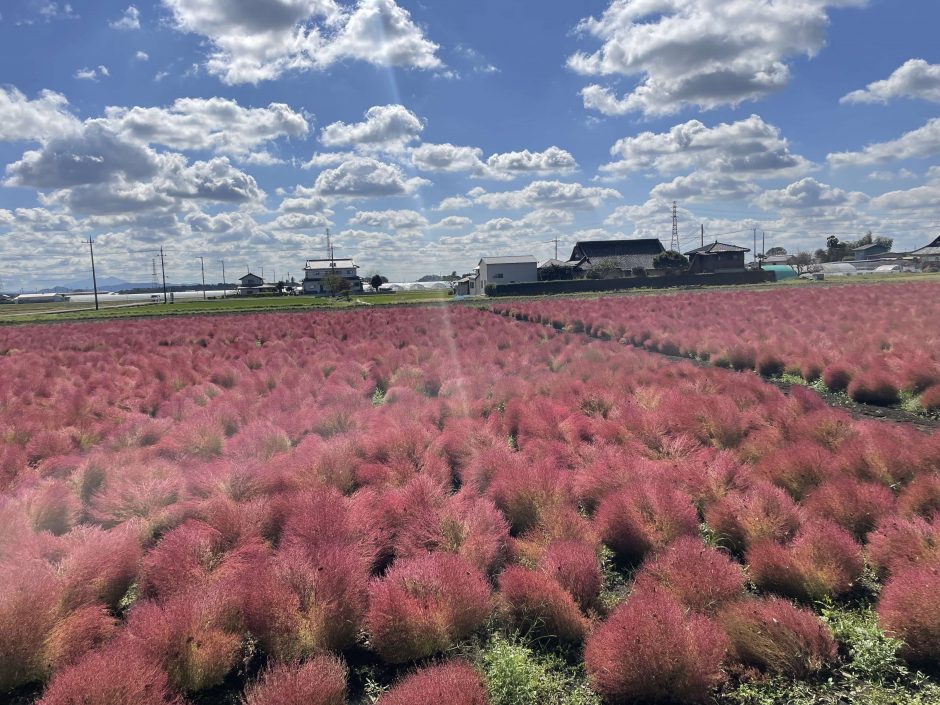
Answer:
[(40, 313)]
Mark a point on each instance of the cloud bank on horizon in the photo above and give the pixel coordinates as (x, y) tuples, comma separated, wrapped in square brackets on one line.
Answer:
[(425, 137)]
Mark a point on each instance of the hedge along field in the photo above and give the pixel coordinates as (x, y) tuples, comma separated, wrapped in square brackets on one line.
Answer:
[(879, 343), (327, 508)]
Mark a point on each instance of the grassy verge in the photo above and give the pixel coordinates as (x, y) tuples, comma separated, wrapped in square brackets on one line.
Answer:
[(13, 314)]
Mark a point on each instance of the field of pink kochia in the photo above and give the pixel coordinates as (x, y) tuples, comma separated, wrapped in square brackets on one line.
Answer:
[(875, 342), (266, 502)]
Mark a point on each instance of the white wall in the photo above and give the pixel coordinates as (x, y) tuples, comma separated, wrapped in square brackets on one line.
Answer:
[(507, 274)]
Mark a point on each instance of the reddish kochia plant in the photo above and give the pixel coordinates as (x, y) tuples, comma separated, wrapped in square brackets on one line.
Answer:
[(837, 377), (644, 517), (296, 605), (102, 565), (191, 635), (769, 365), (573, 564), (699, 577), (651, 650), (797, 468), (452, 683), (54, 508), (319, 681), (873, 388), (773, 635), (424, 604), (762, 512), (114, 675), (559, 523), (533, 601), (898, 543), (822, 561), (854, 505), (84, 629), (29, 597), (524, 492), (930, 399), (909, 609), (921, 497)]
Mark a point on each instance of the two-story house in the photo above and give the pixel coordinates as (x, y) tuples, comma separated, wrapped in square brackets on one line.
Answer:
[(316, 270)]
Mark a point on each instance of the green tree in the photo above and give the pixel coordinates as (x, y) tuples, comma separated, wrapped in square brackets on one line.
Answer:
[(776, 251), (376, 281), (670, 259), (335, 284)]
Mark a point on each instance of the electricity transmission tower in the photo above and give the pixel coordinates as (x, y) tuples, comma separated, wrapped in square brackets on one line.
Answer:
[(675, 247)]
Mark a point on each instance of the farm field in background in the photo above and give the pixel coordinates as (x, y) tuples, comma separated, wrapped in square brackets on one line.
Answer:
[(879, 343), (437, 504)]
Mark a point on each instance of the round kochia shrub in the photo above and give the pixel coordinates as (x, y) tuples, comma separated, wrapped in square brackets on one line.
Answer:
[(644, 517), (762, 512), (651, 650), (115, 675), (699, 577), (836, 377), (573, 564), (320, 681), (822, 561), (773, 635), (873, 388), (424, 604), (909, 610), (534, 602), (453, 683)]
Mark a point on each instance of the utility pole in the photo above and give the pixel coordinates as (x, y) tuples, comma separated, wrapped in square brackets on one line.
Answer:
[(202, 265), (94, 278), (703, 234), (163, 271), (755, 244), (675, 246), (763, 247), (224, 287)]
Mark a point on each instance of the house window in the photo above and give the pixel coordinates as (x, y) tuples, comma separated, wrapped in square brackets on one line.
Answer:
[(498, 276)]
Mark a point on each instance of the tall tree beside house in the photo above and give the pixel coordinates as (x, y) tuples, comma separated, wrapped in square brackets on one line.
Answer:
[(776, 251), (670, 259), (376, 281), (335, 284)]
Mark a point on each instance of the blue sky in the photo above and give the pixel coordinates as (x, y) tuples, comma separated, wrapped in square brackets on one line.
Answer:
[(426, 135)]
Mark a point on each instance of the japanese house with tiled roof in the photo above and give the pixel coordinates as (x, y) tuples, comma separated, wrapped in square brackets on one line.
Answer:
[(715, 258), (623, 255)]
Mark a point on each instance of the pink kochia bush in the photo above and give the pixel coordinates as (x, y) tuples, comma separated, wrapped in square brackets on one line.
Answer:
[(644, 517), (319, 681), (763, 512), (573, 564), (909, 609), (452, 683), (822, 561), (423, 605), (535, 602), (651, 650), (699, 577), (111, 676), (773, 635)]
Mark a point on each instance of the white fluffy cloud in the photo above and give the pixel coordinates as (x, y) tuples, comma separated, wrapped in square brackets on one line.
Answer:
[(129, 20), (384, 127), (749, 146), (45, 117), (453, 222), (209, 124), (300, 221), (547, 195), (364, 177), (706, 53), (704, 186), (92, 74), (913, 79), (448, 157), (255, 40), (390, 219), (919, 143), (453, 203), (553, 160), (809, 195), (926, 197)]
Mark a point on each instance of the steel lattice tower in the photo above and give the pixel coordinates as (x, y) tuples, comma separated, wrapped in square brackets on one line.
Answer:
[(675, 247)]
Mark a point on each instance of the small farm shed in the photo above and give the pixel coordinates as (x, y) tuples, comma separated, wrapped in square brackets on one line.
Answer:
[(716, 257), (870, 251), (507, 270), (929, 254)]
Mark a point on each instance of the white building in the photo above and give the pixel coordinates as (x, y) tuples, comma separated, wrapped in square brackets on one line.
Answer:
[(40, 298), (317, 269), (507, 270)]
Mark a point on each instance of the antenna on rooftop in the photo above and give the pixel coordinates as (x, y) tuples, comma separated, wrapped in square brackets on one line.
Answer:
[(675, 247)]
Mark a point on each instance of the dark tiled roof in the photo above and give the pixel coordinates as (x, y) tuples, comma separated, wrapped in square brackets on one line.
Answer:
[(932, 249), (869, 246), (715, 248), (592, 249)]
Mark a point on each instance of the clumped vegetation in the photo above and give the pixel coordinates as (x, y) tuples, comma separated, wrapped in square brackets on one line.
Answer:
[(448, 506)]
